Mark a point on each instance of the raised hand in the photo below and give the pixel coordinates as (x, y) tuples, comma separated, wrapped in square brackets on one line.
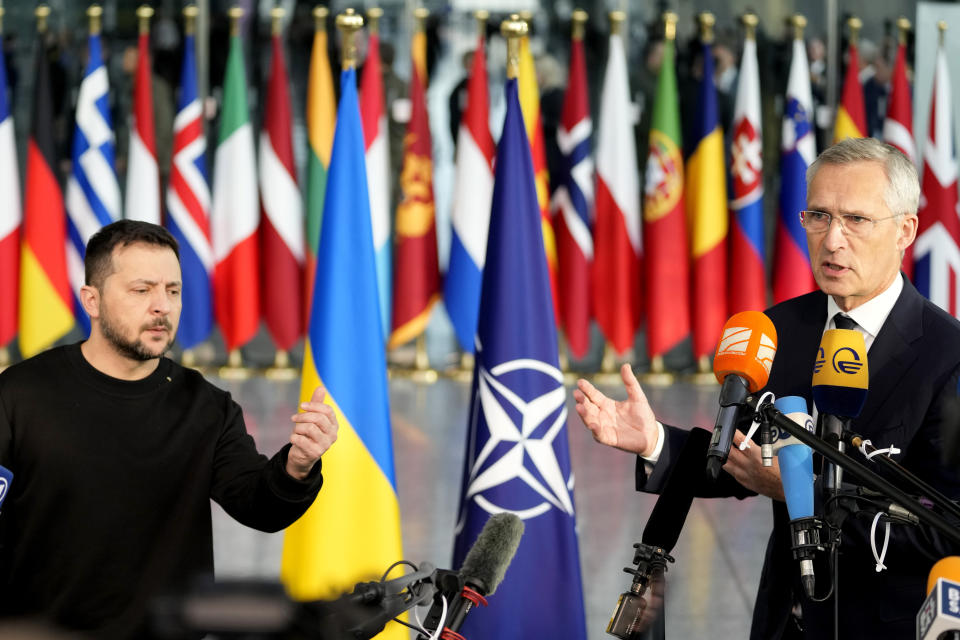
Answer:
[(629, 425), (315, 429)]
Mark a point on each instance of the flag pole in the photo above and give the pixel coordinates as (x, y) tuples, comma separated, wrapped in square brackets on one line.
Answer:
[(903, 29), (189, 357)]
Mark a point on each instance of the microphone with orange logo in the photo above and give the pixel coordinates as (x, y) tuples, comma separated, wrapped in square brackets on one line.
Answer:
[(742, 366), (939, 617), (840, 382)]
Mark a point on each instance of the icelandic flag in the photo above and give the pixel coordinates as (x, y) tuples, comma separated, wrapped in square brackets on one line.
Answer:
[(936, 254), (93, 190), (471, 206), (188, 207), (747, 285), (791, 267), (518, 457)]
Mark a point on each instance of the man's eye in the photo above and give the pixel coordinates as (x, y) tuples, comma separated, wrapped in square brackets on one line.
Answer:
[(818, 216), (856, 221)]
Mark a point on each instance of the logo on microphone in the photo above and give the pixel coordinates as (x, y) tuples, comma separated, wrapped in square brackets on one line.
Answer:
[(4, 485), (735, 341), (522, 409), (821, 358), (841, 365)]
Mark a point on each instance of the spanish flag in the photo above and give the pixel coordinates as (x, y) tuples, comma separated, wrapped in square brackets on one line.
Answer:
[(851, 114), (351, 533)]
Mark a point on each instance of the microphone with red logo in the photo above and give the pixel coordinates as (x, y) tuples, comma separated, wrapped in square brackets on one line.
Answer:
[(840, 382), (742, 366)]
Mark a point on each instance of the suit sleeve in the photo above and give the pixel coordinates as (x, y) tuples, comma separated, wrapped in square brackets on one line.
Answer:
[(254, 490)]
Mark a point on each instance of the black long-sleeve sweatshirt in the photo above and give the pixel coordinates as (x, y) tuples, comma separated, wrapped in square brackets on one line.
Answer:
[(110, 501)]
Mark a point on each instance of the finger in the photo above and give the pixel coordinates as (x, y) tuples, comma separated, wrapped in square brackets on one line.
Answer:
[(630, 382), (591, 392), (316, 407), (326, 422), (319, 394)]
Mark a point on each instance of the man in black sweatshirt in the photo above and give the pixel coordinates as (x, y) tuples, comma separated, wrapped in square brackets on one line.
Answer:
[(116, 452)]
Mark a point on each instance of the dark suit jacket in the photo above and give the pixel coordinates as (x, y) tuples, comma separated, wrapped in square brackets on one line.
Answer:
[(914, 366)]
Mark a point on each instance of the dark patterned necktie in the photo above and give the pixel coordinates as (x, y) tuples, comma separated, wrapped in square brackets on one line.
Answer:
[(842, 321)]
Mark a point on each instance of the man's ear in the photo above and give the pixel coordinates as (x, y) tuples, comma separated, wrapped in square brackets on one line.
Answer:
[(90, 299), (908, 231)]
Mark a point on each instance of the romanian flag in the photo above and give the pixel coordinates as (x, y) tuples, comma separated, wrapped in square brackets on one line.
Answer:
[(416, 279), (46, 303), (321, 118), (616, 284), (898, 125), (530, 104), (666, 252), (706, 198), (10, 216), (376, 137), (747, 283), (281, 225), (851, 119), (352, 531), (234, 214), (143, 174), (792, 275)]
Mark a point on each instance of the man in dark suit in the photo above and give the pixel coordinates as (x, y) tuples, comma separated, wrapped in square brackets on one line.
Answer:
[(862, 197)]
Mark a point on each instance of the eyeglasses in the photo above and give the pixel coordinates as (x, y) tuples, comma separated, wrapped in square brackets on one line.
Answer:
[(851, 224)]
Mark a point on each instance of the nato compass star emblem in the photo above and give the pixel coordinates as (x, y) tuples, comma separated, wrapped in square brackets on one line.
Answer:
[(522, 411)]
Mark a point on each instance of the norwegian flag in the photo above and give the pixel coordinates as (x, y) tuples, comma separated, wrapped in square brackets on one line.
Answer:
[(936, 253), (747, 287), (572, 207), (898, 126), (143, 174)]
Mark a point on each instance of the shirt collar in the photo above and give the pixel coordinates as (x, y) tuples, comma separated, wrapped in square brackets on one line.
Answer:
[(873, 313)]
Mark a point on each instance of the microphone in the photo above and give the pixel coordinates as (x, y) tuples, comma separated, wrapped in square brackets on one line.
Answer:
[(482, 571), (796, 475), (742, 366), (840, 382), (660, 535), (939, 617), (6, 477)]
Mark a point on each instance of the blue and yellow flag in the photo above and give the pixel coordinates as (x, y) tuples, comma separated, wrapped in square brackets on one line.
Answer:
[(518, 455), (352, 531)]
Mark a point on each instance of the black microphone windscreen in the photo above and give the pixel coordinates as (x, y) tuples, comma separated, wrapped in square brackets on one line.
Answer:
[(488, 558), (670, 512)]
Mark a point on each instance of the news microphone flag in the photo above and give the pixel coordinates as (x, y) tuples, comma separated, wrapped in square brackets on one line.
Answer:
[(840, 373), (792, 275), (142, 200), (898, 125), (936, 252), (851, 121), (518, 457), (616, 285), (747, 279), (665, 243), (281, 223), (93, 191), (473, 192), (352, 530), (6, 477), (46, 302), (796, 459), (377, 140), (940, 613), (234, 214), (706, 198), (10, 215)]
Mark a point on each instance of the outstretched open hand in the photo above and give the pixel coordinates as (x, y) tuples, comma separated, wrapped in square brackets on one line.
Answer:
[(629, 425)]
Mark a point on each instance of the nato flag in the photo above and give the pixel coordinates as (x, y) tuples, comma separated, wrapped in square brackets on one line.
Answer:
[(518, 457)]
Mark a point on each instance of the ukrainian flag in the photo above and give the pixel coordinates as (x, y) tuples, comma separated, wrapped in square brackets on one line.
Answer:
[(352, 532)]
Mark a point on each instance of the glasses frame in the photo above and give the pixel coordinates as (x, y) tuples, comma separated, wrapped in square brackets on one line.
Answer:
[(839, 218)]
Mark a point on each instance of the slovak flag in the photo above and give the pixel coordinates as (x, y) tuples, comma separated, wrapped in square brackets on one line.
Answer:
[(792, 275), (747, 285), (936, 270)]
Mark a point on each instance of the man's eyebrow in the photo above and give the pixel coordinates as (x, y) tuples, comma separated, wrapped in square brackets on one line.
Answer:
[(843, 212), (153, 283)]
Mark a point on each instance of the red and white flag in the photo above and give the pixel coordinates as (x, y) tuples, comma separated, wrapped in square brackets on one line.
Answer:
[(898, 126), (10, 218), (281, 223), (142, 200)]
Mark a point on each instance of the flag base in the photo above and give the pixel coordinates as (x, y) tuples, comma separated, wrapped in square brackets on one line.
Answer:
[(4, 358), (235, 370), (281, 369), (704, 376), (658, 376)]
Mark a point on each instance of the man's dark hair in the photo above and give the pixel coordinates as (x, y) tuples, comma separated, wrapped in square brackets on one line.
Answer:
[(98, 263)]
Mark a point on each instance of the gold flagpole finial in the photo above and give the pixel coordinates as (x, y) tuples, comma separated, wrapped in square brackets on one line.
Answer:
[(235, 14), (348, 23), (670, 25), (276, 20), (854, 24), (750, 22), (617, 18), (706, 21), (798, 22), (373, 19), (942, 28), (1, 17), (144, 13), (94, 15), (481, 16), (903, 28), (579, 19), (420, 16), (513, 29), (190, 13), (42, 12), (320, 18)]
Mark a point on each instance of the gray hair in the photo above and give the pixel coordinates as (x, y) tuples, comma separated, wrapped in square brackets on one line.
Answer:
[(902, 193)]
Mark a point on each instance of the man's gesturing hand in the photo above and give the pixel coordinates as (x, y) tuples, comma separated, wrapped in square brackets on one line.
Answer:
[(628, 425), (315, 429)]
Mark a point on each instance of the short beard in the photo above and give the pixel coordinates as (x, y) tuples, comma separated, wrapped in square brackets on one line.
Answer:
[(134, 349)]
